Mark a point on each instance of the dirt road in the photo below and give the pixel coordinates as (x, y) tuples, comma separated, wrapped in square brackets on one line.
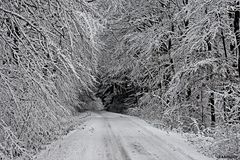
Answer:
[(111, 136)]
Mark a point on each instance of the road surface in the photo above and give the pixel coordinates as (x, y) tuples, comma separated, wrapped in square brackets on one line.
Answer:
[(111, 136)]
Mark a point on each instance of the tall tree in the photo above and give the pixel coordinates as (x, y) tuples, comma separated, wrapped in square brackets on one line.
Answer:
[(237, 33)]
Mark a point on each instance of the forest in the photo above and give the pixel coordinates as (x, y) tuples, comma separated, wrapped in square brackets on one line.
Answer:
[(174, 61)]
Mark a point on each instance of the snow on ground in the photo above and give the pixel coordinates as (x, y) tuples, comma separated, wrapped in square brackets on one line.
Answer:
[(111, 136)]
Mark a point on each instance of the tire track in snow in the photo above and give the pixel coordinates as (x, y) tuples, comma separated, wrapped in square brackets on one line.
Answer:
[(116, 143)]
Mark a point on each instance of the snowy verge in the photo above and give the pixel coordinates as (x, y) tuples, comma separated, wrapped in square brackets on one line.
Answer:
[(69, 125)]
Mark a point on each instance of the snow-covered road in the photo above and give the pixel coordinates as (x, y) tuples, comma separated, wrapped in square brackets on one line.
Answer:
[(111, 136)]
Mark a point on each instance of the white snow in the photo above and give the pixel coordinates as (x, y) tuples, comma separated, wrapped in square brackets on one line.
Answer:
[(111, 136)]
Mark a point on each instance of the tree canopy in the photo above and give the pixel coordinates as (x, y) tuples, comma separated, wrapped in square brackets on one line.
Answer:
[(177, 61)]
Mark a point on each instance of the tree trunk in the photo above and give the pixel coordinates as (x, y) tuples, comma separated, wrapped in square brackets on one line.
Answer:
[(211, 97), (224, 45), (169, 51), (225, 116), (202, 106), (211, 103), (236, 30)]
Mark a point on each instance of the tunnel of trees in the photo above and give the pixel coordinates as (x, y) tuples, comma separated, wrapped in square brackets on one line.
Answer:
[(177, 61)]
